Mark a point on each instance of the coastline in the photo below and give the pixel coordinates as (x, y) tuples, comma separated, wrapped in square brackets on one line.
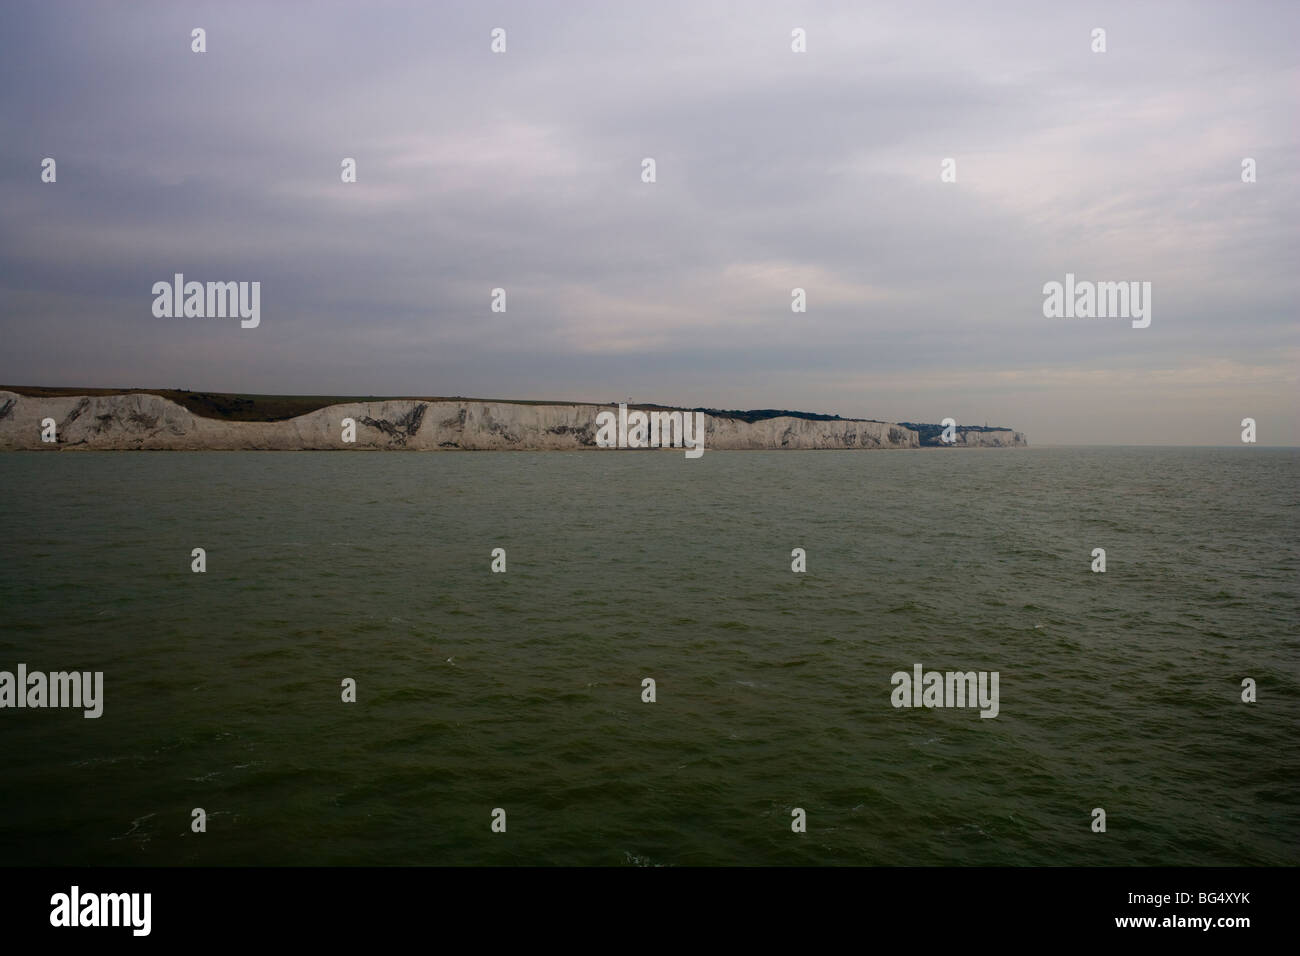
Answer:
[(140, 420)]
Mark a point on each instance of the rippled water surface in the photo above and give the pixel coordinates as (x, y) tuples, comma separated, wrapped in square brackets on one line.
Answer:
[(523, 690)]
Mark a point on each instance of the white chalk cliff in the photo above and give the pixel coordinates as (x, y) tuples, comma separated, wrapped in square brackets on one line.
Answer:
[(992, 438), (151, 422)]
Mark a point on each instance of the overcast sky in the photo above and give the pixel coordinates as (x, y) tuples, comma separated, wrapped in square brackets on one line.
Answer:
[(775, 170)]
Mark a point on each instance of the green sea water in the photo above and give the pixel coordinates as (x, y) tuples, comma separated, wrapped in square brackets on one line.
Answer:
[(523, 690)]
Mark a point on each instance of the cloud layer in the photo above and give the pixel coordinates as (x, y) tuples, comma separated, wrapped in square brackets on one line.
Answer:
[(775, 170)]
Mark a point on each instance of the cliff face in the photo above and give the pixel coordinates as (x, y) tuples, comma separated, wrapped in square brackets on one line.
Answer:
[(785, 432), (142, 421), (993, 438)]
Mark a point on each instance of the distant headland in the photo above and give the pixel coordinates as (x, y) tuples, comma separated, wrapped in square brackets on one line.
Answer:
[(36, 417)]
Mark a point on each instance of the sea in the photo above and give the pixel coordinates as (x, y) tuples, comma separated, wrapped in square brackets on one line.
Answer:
[(504, 717)]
